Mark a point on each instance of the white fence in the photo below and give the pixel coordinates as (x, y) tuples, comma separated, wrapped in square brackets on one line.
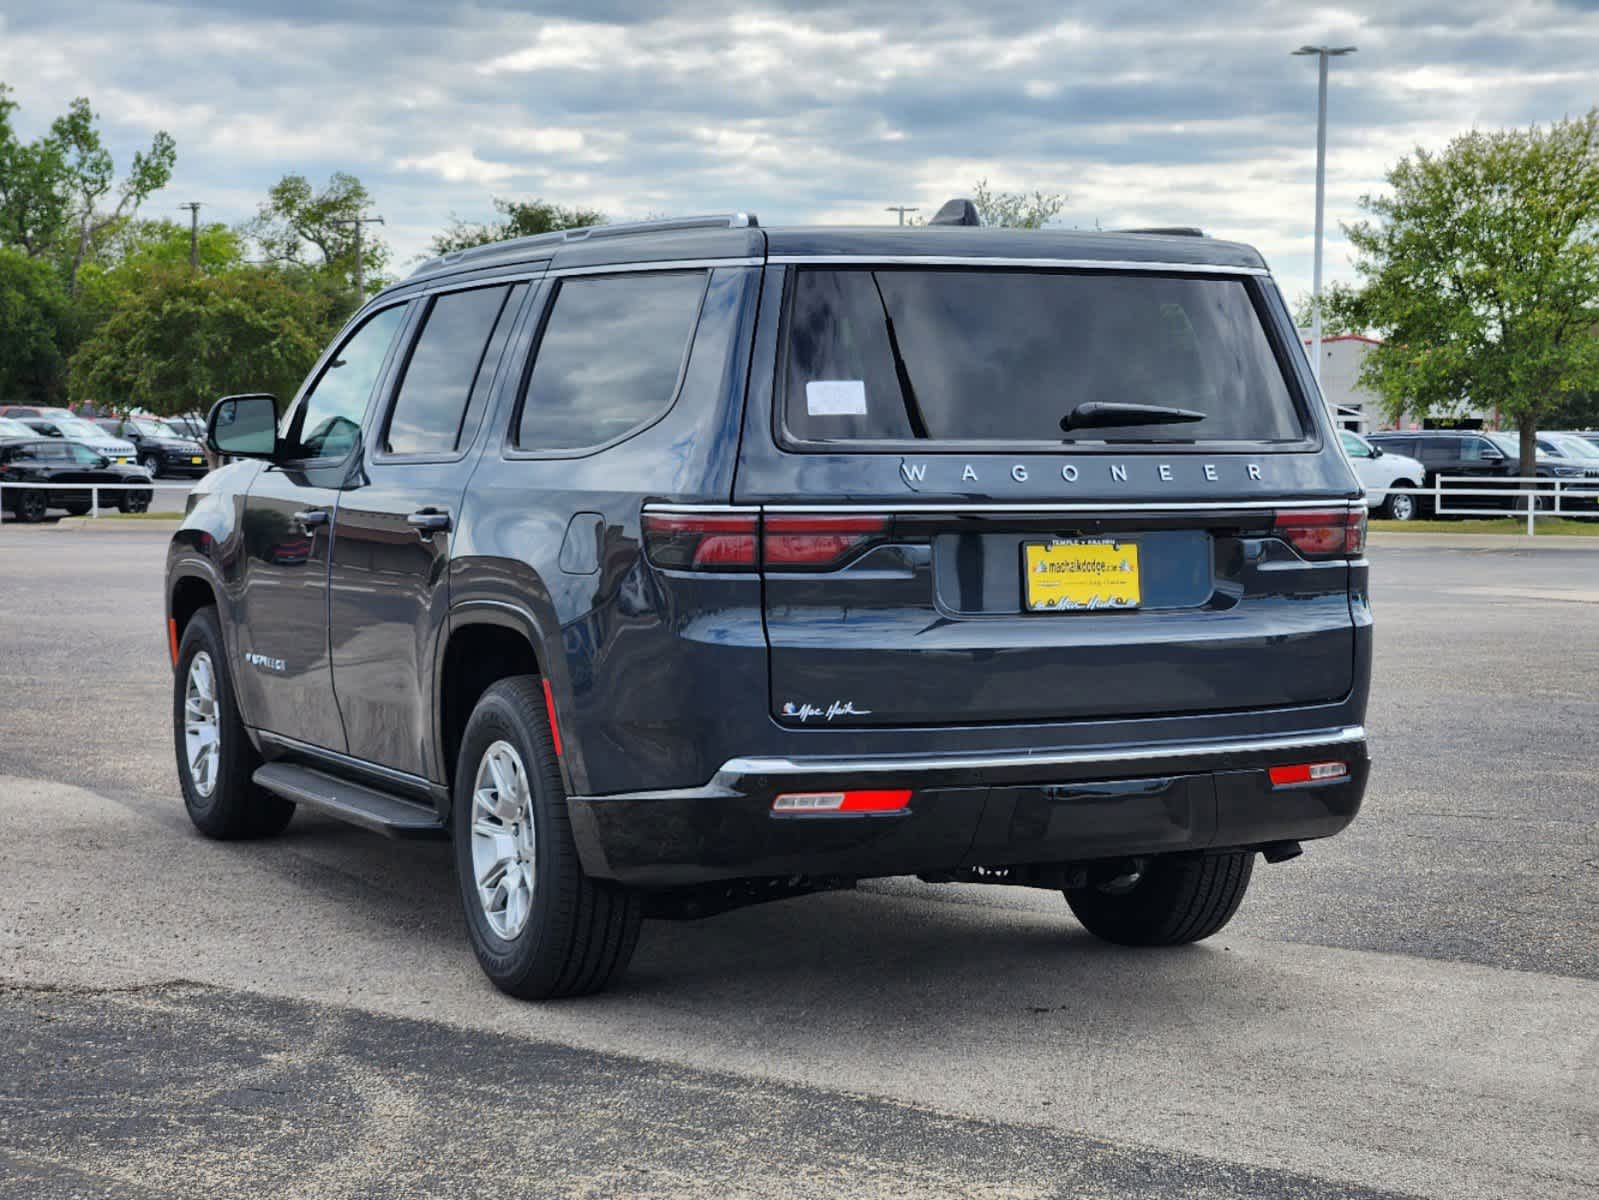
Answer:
[(1546, 497), (94, 490)]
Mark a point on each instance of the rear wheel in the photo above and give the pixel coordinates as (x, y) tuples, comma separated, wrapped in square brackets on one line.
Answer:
[(1175, 899), (1400, 506), (76, 509), (539, 926), (215, 757), (134, 502), (31, 506)]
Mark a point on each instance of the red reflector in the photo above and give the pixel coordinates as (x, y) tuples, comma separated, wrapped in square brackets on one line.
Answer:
[(818, 541), (172, 638), (549, 711), (842, 802), (1319, 772), (696, 542), (1323, 532)]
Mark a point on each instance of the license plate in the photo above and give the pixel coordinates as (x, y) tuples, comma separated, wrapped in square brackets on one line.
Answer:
[(1081, 575), (122, 462), (197, 460)]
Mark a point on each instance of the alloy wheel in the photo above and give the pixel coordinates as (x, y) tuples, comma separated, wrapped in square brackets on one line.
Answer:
[(1402, 507), (202, 733), (503, 839)]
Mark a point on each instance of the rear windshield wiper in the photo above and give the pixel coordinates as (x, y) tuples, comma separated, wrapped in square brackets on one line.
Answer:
[(907, 390), (1096, 414)]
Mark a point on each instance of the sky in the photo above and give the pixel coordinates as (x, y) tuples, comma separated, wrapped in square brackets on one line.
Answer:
[(810, 111)]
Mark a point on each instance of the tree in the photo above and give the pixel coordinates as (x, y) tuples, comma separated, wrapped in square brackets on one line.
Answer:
[(523, 218), (297, 225), (1481, 271), (33, 204), (1016, 210), (33, 327), (89, 179), (176, 339)]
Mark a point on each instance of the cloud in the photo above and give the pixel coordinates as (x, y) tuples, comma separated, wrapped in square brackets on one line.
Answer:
[(810, 110)]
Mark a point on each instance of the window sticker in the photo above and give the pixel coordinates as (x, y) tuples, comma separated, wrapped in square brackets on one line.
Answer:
[(835, 398)]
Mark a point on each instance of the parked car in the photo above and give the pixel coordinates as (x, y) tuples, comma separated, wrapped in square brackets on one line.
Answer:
[(1380, 470), (162, 449), (58, 461), (19, 411), (1573, 446), (10, 428), (117, 449), (678, 566), (1474, 460)]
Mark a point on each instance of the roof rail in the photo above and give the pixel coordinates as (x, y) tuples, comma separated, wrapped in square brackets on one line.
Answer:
[(587, 233), (1167, 230)]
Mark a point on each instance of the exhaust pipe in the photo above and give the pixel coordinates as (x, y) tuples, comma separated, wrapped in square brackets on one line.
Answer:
[(1276, 852)]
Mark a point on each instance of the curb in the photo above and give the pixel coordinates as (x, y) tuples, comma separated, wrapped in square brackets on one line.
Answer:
[(1484, 541), (106, 524)]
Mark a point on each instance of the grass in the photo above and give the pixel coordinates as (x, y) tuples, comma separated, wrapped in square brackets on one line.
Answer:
[(113, 515), (1553, 526)]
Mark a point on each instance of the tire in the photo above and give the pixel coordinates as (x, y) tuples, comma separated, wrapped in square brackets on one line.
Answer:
[(152, 464), (134, 502), (1177, 899), (31, 507), (1401, 507), (224, 802), (575, 933)]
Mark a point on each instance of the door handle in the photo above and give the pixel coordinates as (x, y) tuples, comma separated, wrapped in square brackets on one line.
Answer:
[(429, 520), (311, 517)]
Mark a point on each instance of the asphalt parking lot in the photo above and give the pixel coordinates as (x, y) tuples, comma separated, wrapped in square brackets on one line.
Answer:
[(1409, 1009)]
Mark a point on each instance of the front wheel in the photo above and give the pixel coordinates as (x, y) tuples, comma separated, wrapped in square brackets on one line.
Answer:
[(539, 926), (152, 464), (31, 507), (1400, 506), (1175, 899), (134, 502), (215, 757)]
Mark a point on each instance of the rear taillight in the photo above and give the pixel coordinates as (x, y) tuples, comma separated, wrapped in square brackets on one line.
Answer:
[(695, 542), (741, 541), (1321, 533), (816, 543)]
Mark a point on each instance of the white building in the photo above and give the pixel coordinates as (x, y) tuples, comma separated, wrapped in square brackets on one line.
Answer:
[(1360, 409)]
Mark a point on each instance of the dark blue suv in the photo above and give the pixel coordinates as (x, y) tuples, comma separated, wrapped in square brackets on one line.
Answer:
[(672, 567)]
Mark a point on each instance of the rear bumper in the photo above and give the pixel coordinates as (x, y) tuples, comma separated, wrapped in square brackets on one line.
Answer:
[(973, 810)]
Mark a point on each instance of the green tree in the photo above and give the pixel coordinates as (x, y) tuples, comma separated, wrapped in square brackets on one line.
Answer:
[(33, 328), (33, 202), (299, 226), (174, 339), (90, 181), (1016, 210), (522, 218), (1480, 269)]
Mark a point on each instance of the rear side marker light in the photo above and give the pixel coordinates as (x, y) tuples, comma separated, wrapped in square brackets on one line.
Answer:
[(1300, 773), (1323, 533), (797, 803)]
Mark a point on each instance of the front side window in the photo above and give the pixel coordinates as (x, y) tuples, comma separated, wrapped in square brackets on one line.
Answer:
[(1354, 447), (328, 419), (609, 361), (444, 372), (1001, 356), (84, 455)]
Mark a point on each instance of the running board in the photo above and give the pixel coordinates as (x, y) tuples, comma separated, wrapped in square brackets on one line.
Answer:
[(352, 802)]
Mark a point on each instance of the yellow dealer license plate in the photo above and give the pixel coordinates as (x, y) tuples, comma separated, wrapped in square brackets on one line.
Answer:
[(1081, 575), (197, 460)]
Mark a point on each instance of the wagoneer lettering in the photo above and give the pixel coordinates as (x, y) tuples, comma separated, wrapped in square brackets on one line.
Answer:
[(670, 567)]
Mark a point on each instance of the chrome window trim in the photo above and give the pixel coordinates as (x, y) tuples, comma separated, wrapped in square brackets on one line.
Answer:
[(968, 260)]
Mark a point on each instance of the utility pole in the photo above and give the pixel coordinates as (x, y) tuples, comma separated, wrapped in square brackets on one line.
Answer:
[(194, 233), (360, 280), (901, 209), (1323, 53)]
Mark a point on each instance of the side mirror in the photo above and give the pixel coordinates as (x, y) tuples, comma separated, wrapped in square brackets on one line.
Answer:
[(1376, 451), (244, 426)]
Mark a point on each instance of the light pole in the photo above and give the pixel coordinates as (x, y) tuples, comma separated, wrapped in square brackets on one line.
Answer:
[(360, 281), (193, 208), (901, 209), (1322, 53)]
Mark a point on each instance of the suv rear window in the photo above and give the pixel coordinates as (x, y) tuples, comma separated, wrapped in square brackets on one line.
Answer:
[(1000, 356)]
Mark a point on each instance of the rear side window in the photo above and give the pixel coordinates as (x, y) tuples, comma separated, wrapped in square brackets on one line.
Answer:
[(610, 358), (1001, 356), (449, 367)]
